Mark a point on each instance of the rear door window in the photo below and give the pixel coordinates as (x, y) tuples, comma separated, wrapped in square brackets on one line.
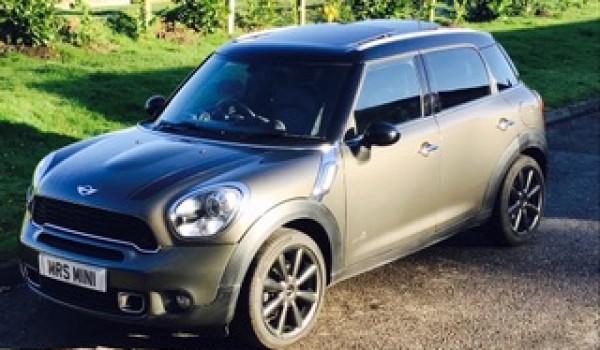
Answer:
[(501, 68), (458, 76)]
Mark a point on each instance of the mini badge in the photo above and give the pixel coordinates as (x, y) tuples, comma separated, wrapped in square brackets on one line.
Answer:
[(86, 190)]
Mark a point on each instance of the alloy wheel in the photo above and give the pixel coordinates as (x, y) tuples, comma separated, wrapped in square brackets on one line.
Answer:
[(291, 292), (525, 200)]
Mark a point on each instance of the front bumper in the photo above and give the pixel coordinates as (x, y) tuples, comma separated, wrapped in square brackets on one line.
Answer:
[(157, 278)]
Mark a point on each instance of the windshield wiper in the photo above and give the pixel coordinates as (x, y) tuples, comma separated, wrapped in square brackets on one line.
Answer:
[(277, 134), (238, 134), (186, 127)]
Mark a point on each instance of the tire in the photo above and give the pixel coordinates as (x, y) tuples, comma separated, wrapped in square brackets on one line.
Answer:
[(283, 292), (520, 203)]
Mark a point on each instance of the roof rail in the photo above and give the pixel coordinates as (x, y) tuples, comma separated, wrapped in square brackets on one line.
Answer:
[(416, 26), (408, 35), (259, 33), (373, 38)]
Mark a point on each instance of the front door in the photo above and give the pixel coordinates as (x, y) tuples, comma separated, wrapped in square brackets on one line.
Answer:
[(392, 191)]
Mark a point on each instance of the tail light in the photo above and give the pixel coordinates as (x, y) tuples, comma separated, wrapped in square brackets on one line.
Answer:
[(540, 101)]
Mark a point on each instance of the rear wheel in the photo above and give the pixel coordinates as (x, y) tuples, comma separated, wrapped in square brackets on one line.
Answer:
[(284, 291), (520, 203)]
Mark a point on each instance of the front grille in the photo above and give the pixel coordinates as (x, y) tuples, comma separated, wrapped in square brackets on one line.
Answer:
[(93, 221), (81, 248)]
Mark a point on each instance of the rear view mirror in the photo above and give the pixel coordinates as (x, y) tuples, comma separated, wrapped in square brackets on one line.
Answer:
[(380, 134), (154, 105)]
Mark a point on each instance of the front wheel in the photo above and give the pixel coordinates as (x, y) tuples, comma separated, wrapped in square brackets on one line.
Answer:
[(520, 203), (285, 289)]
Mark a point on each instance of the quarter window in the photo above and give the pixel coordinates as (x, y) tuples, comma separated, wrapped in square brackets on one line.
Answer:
[(501, 69), (391, 92), (457, 75)]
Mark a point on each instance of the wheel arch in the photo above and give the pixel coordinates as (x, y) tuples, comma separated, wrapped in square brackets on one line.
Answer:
[(308, 216), (532, 144), (539, 156), (317, 233)]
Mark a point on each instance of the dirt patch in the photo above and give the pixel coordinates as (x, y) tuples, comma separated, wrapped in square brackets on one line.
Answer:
[(43, 52), (176, 32)]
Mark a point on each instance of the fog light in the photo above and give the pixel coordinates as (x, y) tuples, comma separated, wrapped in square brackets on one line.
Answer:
[(184, 301), (177, 301)]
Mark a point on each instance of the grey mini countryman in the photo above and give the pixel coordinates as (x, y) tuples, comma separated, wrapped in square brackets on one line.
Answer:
[(289, 160)]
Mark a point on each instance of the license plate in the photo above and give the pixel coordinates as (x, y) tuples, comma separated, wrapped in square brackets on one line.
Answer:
[(78, 274)]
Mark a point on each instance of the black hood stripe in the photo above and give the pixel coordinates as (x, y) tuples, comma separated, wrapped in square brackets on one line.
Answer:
[(213, 166)]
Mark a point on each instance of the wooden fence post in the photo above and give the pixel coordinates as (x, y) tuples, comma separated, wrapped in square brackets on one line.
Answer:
[(302, 12), (432, 4), (145, 12), (231, 17)]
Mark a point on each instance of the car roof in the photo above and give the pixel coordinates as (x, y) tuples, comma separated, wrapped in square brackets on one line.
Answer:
[(350, 42)]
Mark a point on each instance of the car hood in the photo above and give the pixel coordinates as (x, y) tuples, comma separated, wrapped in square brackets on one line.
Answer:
[(137, 165)]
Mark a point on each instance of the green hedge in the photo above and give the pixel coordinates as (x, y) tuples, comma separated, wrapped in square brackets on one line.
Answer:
[(28, 22)]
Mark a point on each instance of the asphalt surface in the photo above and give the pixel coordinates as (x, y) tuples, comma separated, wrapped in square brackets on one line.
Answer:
[(462, 293)]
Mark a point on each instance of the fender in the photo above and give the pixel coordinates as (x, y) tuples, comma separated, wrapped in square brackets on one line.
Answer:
[(530, 139), (263, 227)]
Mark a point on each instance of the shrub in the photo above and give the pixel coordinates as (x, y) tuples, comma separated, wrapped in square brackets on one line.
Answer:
[(459, 8), (338, 11), (29, 22), (552, 7), (125, 23), (480, 10), (206, 16), (78, 30), (257, 14), (484, 10), (366, 9)]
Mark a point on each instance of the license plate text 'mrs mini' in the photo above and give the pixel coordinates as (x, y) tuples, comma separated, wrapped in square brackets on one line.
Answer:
[(73, 273)]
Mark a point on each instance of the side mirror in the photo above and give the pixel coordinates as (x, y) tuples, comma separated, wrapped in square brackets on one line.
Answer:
[(154, 105), (380, 134)]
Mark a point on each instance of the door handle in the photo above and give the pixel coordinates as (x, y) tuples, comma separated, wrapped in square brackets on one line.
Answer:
[(504, 124), (427, 148)]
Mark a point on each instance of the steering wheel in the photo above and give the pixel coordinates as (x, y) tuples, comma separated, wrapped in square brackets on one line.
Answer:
[(235, 110)]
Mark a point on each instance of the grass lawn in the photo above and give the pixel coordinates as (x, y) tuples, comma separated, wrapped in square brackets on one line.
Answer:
[(45, 104), (559, 57)]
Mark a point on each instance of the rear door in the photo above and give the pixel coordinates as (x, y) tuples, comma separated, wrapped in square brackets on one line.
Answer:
[(476, 126)]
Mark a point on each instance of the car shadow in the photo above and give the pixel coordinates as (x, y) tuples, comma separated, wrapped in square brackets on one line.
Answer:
[(21, 147), (476, 237), (78, 329), (536, 52), (116, 96)]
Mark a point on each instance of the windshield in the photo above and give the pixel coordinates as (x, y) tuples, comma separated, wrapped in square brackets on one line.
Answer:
[(256, 101)]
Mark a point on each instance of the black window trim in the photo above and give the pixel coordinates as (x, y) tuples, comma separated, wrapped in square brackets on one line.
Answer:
[(509, 60), (423, 86), (490, 78), (511, 64)]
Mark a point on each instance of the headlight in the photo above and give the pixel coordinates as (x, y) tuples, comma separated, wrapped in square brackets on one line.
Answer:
[(41, 169), (205, 213)]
